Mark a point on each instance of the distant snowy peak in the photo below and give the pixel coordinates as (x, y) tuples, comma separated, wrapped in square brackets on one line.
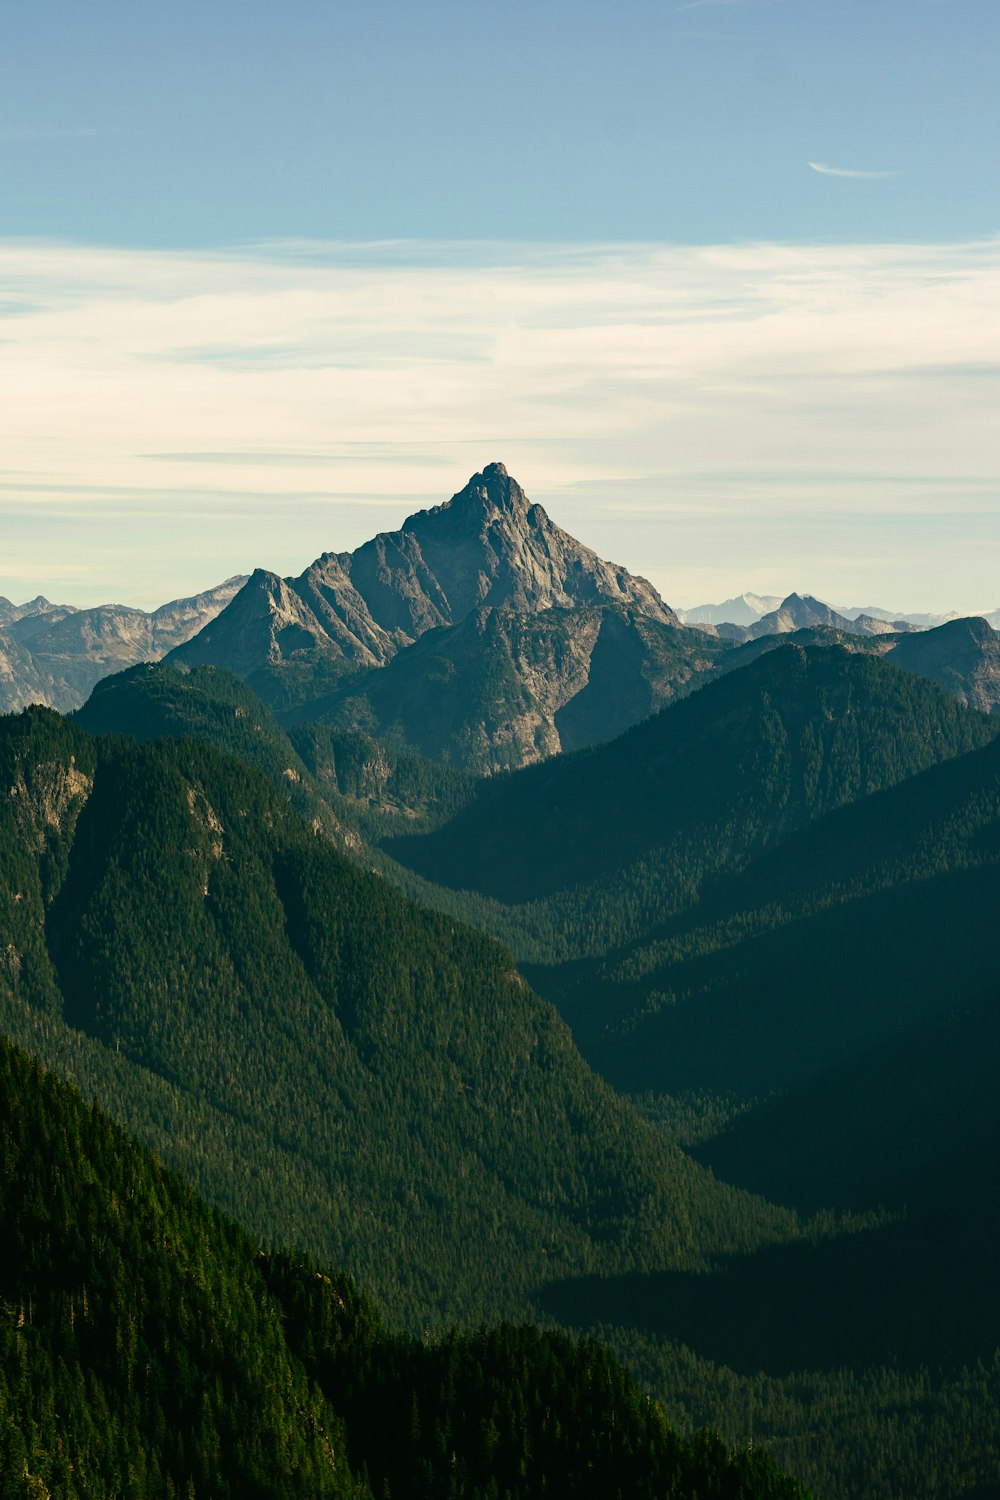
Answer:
[(765, 614), (745, 609)]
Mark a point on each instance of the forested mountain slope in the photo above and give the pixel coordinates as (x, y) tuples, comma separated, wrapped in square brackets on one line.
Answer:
[(962, 656), (880, 917), (340, 781), (340, 1068), (621, 836), (375, 1084), (151, 1348)]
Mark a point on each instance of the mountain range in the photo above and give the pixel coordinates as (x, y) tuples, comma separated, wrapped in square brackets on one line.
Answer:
[(55, 653), (479, 634), (748, 609), (677, 1033)]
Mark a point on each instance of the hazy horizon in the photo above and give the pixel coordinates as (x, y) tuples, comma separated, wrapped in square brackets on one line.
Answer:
[(718, 280)]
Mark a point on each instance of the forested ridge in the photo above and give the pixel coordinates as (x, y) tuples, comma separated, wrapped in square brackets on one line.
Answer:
[(606, 835), (341, 781), (842, 835), (331, 1063), (150, 1348), (770, 915)]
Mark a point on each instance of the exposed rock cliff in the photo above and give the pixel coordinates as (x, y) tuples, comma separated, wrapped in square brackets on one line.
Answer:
[(488, 546)]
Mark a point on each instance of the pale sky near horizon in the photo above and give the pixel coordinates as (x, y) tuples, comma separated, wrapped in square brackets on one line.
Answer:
[(718, 280)]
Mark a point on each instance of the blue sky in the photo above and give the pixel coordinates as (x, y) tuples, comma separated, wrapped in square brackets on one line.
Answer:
[(718, 280), (209, 122)]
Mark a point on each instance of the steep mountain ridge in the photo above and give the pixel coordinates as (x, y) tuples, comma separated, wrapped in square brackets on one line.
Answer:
[(488, 548)]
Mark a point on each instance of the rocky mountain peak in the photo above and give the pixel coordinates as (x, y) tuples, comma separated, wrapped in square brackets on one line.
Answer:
[(489, 497), (488, 547)]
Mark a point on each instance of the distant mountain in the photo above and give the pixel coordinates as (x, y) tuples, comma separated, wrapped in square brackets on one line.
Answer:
[(23, 619), (747, 609), (21, 680), (743, 610), (517, 612), (876, 612), (803, 612), (962, 656), (54, 654)]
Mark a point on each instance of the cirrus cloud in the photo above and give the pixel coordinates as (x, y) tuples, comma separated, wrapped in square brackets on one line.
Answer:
[(827, 171)]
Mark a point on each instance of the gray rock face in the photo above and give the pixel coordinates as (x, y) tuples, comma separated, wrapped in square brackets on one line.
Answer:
[(488, 547), (799, 612), (505, 688)]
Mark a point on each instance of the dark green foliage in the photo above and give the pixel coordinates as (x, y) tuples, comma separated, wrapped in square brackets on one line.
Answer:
[(149, 1349), (141, 1353), (962, 656), (773, 885), (340, 783), (337, 1067), (389, 791), (152, 700), (880, 917), (609, 841), (351, 1075)]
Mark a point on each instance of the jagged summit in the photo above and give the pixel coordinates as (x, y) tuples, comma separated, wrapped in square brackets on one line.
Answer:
[(489, 546)]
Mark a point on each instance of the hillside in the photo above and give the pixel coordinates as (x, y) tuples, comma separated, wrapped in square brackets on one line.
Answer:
[(879, 918), (343, 783), (337, 1067), (151, 1348), (626, 833), (962, 656)]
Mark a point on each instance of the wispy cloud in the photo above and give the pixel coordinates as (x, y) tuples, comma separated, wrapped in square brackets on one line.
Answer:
[(262, 405), (828, 171)]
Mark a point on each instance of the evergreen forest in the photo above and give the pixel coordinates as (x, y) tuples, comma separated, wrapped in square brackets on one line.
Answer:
[(671, 1055)]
